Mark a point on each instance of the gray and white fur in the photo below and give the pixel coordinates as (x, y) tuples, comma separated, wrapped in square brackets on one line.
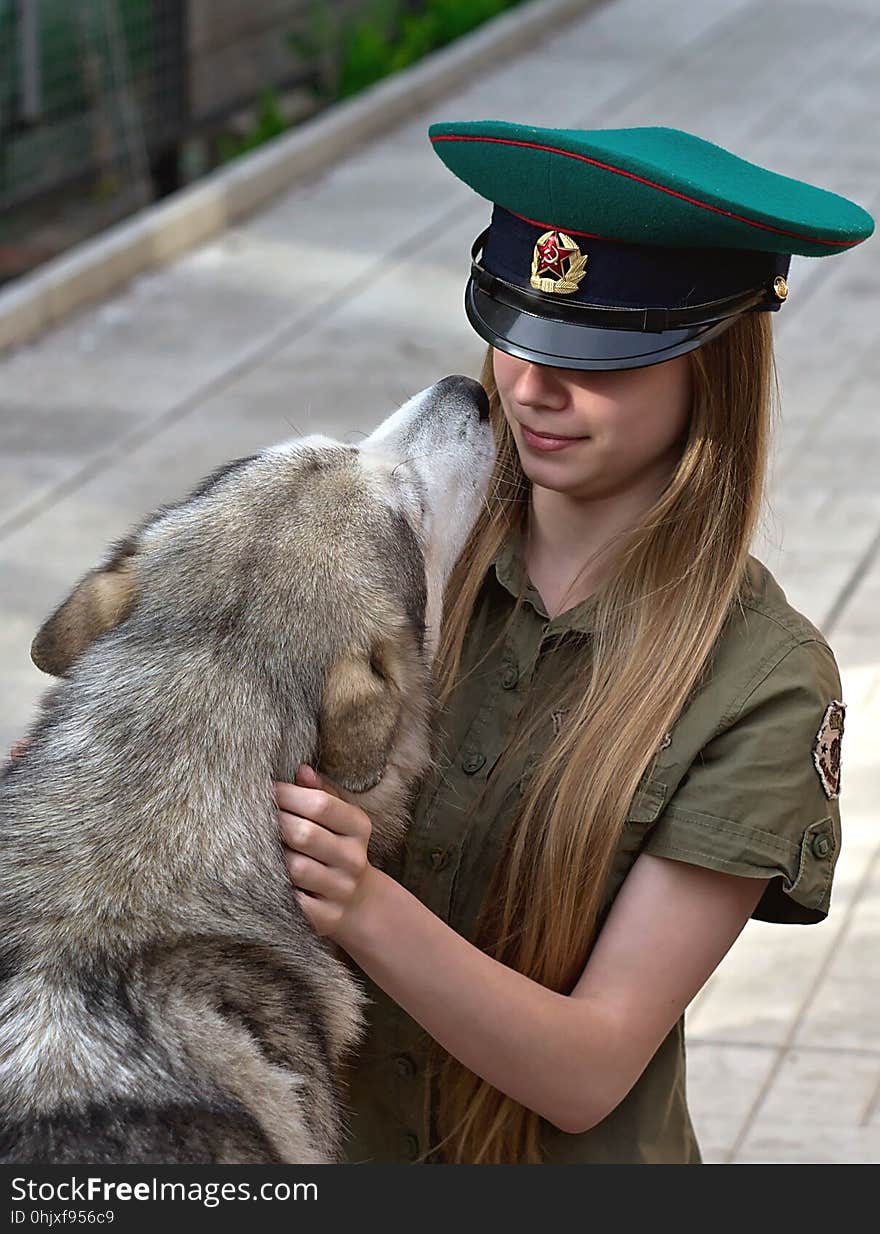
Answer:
[(163, 998)]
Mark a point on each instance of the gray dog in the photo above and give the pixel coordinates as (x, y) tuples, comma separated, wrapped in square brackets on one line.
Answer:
[(164, 998)]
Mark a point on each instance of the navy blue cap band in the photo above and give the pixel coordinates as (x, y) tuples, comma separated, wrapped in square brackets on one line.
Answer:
[(653, 320), (635, 277)]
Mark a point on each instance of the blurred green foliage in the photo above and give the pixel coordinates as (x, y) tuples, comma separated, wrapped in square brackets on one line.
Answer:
[(390, 36), (349, 54), (270, 122)]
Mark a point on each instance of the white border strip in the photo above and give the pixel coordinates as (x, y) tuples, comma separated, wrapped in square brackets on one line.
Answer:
[(159, 233)]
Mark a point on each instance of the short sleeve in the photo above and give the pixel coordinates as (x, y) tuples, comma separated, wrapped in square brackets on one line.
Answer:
[(761, 799)]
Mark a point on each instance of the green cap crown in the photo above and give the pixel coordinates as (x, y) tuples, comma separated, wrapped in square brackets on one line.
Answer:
[(649, 185)]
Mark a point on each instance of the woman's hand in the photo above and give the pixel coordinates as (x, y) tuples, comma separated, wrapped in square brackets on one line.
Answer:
[(325, 841), (19, 748)]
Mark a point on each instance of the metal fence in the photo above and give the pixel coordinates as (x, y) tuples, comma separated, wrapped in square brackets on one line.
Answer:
[(98, 99), (94, 87)]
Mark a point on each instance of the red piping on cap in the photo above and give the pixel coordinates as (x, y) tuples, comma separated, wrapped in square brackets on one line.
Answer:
[(572, 231), (529, 145)]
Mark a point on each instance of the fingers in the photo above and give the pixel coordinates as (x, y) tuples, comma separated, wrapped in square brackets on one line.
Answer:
[(19, 747), (311, 779), (324, 915), (331, 883), (338, 816), (307, 842), (316, 841), (324, 841)]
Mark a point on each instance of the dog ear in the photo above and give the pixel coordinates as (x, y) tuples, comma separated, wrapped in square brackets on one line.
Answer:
[(100, 601), (360, 712)]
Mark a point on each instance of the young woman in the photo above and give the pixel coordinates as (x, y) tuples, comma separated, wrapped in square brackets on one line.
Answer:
[(638, 737)]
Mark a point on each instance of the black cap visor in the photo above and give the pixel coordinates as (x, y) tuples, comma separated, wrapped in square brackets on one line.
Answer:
[(564, 344)]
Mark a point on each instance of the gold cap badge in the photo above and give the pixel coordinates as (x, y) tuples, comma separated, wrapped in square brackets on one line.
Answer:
[(557, 254)]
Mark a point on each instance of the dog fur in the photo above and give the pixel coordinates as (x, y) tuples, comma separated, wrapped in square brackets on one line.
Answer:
[(163, 998)]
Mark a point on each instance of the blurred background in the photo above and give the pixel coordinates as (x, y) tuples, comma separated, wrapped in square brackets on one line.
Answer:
[(222, 225), (107, 105)]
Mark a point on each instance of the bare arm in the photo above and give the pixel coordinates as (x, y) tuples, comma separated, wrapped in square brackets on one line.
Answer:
[(571, 1058)]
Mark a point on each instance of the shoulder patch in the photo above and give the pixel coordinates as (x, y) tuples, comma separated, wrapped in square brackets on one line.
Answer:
[(826, 748)]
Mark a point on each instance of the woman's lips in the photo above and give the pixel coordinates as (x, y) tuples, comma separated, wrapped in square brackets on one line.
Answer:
[(541, 441)]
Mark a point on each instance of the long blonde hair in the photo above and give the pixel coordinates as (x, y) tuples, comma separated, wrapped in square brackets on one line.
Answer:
[(675, 578)]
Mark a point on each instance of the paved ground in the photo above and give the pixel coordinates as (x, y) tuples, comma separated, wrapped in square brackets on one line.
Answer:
[(331, 307)]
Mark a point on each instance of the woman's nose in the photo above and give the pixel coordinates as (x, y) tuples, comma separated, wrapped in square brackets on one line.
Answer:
[(537, 386)]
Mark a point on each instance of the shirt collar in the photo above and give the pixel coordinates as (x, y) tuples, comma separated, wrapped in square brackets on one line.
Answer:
[(510, 570), (509, 563)]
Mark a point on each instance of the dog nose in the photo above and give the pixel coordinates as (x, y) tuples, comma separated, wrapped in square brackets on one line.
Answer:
[(458, 383)]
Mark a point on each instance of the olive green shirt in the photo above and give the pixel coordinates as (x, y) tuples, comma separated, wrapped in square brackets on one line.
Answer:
[(745, 782)]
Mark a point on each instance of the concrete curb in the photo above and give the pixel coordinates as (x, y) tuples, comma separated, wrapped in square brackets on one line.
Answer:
[(161, 232)]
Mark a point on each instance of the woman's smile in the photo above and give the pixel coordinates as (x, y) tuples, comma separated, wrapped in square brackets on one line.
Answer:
[(543, 441)]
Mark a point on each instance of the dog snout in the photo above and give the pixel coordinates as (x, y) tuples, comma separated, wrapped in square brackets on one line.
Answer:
[(467, 387)]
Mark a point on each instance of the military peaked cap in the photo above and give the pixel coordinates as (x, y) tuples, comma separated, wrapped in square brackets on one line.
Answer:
[(618, 248)]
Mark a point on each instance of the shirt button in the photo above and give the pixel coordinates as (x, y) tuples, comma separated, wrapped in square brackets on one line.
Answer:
[(473, 762), (439, 858), (510, 677), (411, 1146), (405, 1066), (821, 846)]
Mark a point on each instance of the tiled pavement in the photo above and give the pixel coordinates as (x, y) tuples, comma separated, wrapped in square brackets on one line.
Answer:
[(329, 308)]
